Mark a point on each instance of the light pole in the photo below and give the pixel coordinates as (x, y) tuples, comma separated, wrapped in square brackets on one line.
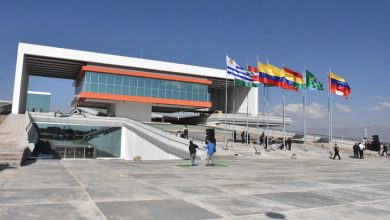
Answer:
[(365, 131)]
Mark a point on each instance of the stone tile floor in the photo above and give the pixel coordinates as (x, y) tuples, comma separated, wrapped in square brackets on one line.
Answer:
[(236, 189)]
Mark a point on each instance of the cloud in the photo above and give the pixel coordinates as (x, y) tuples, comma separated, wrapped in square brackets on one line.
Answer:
[(379, 97), (342, 108), (313, 110), (380, 106)]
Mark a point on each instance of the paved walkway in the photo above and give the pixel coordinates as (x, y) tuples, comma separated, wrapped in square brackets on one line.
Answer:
[(236, 189)]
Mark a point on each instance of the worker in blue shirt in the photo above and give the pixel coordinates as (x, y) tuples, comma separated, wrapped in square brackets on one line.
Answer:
[(210, 146)]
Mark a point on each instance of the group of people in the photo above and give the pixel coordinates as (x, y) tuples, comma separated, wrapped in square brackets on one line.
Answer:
[(210, 146)]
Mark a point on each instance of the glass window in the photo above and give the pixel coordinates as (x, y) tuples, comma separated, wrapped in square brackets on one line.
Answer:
[(195, 88), (155, 83), (93, 87), (87, 77), (140, 91), (161, 93), (188, 95), (148, 83), (162, 85), (94, 78), (133, 91), (118, 90), (168, 94), (118, 80), (188, 87), (182, 88), (182, 95), (175, 95), (110, 89), (110, 79), (148, 92), (175, 87), (102, 78), (169, 85), (102, 88), (154, 93), (125, 81), (141, 82), (125, 90), (134, 81)]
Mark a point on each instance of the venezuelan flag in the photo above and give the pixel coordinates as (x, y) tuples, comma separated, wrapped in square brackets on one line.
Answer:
[(338, 85)]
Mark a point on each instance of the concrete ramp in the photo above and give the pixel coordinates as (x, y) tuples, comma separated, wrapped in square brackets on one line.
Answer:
[(139, 135), (17, 138)]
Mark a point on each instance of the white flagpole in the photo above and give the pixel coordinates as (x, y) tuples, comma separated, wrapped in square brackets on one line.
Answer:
[(234, 106), (257, 112), (329, 113), (267, 131), (284, 123), (247, 114), (283, 114), (304, 110), (226, 99)]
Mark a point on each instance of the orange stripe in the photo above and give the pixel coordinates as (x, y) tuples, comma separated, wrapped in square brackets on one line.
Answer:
[(145, 74), (101, 96)]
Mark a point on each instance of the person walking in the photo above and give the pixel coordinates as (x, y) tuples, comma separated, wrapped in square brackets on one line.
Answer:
[(210, 147), (361, 149), (336, 151), (356, 150), (384, 151), (289, 142), (192, 148), (234, 136)]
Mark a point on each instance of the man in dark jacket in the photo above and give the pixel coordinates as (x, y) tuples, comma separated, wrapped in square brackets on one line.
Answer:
[(192, 149), (336, 152), (356, 150)]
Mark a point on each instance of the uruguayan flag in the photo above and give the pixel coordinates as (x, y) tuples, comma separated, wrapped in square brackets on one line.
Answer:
[(237, 71)]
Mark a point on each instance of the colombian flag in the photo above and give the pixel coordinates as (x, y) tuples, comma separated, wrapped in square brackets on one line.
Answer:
[(338, 85), (269, 75)]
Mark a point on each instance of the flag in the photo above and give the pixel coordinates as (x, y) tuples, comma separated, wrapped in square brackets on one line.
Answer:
[(254, 74), (298, 79), (241, 76), (268, 77), (288, 79), (338, 85), (284, 80), (312, 82)]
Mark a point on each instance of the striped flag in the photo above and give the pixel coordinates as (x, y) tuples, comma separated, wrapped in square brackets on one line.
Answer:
[(241, 76)]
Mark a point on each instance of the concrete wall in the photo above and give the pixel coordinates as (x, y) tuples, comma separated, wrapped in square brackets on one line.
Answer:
[(133, 145), (20, 84), (132, 110), (246, 95)]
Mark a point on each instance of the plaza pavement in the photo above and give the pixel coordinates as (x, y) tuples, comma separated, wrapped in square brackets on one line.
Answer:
[(234, 189)]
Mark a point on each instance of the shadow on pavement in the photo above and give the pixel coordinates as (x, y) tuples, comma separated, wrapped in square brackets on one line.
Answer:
[(275, 215)]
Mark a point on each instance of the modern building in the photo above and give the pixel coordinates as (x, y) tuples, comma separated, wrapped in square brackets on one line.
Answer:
[(129, 91), (130, 87), (38, 101)]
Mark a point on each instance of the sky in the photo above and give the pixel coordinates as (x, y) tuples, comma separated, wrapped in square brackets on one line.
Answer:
[(349, 37)]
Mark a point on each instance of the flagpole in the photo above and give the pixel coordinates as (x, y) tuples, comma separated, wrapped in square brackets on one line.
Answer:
[(329, 113), (225, 145), (247, 115), (234, 106), (304, 110), (267, 131), (257, 112), (283, 114)]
